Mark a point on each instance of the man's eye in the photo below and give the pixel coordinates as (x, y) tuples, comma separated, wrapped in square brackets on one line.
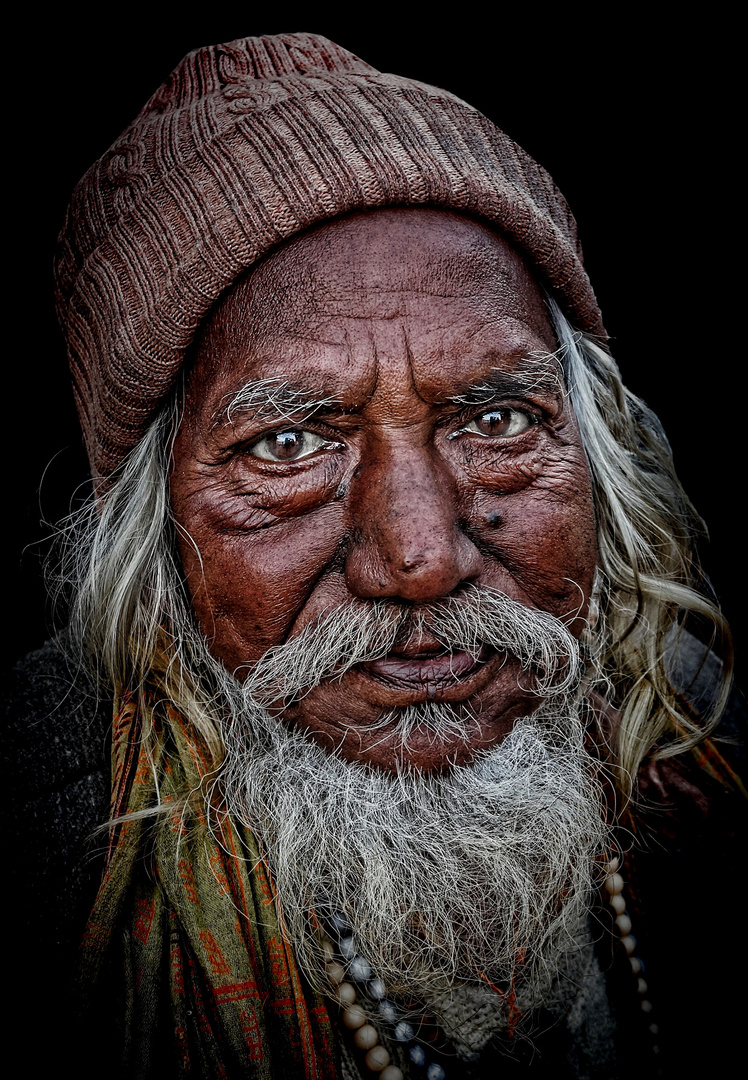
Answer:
[(504, 423), (288, 445)]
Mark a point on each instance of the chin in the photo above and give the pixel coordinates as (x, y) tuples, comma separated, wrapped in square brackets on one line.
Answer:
[(369, 719)]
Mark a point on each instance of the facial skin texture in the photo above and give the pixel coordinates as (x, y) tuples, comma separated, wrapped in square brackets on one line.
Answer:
[(398, 491)]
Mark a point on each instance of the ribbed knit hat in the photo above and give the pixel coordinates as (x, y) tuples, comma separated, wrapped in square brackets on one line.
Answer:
[(245, 145)]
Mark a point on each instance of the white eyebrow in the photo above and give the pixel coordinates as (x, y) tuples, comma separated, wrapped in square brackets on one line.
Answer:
[(273, 398), (542, 373)]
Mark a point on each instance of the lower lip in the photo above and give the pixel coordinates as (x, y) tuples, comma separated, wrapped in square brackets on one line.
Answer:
[(432, 673)]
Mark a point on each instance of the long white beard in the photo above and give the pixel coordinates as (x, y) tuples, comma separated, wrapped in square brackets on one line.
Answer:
[(482, 874)]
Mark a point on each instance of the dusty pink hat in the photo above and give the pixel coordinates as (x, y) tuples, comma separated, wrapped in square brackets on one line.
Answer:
[(245, 145)]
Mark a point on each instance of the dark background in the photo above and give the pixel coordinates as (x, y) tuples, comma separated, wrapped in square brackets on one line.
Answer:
[(635, 120)]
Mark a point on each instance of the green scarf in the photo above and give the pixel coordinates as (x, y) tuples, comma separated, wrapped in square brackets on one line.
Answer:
[(186, 969)]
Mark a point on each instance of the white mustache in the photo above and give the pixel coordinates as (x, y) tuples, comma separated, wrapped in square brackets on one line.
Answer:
[(362, 631)]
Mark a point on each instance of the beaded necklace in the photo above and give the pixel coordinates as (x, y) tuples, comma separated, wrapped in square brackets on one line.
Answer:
[(357, 978), (346, 991)]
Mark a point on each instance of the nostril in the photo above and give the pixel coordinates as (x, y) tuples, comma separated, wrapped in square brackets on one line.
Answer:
[(409, 565)]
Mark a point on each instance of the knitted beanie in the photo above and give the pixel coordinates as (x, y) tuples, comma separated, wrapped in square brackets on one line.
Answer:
[(245, 145)]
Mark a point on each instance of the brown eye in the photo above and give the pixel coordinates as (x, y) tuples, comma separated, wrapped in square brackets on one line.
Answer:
[(288, 445), (504, 423)]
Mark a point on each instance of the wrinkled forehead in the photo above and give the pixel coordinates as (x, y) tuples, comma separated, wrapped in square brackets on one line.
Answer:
[(438, 285)]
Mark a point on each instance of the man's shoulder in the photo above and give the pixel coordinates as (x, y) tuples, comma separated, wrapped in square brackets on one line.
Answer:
[(55, 720), (690, 817), (698, 795), (55, 752), (56, 760)]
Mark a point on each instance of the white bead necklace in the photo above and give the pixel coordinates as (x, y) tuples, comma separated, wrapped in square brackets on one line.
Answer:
[(366, 1036), (614, 887)]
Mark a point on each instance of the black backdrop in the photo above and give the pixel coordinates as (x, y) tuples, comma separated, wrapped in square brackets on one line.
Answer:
[(634, 119)]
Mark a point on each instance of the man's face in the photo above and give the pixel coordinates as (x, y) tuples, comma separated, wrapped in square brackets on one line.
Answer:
[(399, 431)]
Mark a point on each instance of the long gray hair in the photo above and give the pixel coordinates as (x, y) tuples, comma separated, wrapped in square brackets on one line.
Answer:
[(651, 586), (130, 612)]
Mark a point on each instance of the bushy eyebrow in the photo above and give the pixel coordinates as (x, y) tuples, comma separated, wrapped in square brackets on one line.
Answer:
[(276, 399), (542, 374), (272, 399)]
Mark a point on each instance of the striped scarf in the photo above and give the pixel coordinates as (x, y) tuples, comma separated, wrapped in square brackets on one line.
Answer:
[(184, 956)]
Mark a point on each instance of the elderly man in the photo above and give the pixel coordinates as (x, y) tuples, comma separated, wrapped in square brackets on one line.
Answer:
[(384, 587)]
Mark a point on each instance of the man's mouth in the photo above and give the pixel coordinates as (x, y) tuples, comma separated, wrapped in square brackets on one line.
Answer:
[(446, 668), (426, 665)]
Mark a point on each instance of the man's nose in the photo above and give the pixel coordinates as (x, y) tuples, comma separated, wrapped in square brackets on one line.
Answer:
[(407, 538)]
